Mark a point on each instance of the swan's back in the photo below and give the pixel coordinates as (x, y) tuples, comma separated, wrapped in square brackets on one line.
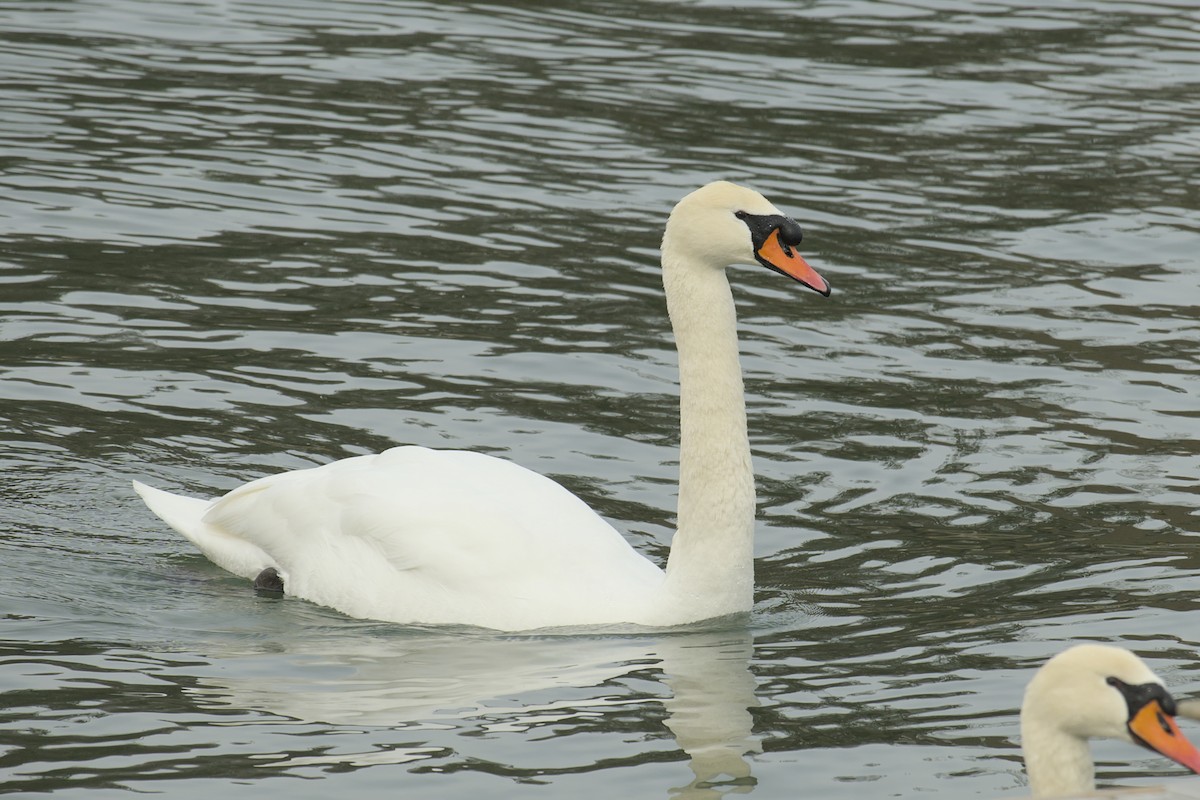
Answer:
[(482, 539)]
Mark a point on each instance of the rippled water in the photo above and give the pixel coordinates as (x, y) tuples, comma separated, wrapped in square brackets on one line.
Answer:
[(243, 237)]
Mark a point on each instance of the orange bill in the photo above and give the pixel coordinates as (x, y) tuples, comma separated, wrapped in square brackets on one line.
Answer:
[(1157, 730), (788, 261)]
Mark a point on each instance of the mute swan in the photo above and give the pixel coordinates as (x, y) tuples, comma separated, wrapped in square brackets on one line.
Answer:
[(1094, 690), (413, 535)]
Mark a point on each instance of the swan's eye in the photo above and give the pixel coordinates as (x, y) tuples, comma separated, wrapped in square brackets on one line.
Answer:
[(740, 214)]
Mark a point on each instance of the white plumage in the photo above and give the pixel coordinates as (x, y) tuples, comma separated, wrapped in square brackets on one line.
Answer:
[(1094, 691), (432, 536)]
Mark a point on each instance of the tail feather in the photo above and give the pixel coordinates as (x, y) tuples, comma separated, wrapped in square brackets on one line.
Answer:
[(186, 515), (181, 513)]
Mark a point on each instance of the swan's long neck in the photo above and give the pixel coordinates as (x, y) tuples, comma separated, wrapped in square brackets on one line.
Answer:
[(1058, 763), (710, 571)]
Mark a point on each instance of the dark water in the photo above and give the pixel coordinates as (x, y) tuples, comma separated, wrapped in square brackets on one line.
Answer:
[(237, 238)]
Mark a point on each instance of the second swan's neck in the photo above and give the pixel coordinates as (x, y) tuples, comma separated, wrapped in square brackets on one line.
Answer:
[(1057, 763), (711, 567)]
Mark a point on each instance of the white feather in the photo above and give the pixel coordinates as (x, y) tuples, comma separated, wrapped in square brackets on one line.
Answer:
[(427, 536)]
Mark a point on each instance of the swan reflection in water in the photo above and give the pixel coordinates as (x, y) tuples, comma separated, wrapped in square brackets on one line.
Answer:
[(473, 683)]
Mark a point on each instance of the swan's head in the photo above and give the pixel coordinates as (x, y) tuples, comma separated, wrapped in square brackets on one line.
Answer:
[(1106, 692), (722, 224)]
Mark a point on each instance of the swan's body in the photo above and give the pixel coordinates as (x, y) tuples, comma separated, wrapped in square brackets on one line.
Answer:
[(429, 536), (1094, 691)]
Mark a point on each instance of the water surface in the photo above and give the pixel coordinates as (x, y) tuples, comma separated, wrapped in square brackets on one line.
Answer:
[(237, 238)]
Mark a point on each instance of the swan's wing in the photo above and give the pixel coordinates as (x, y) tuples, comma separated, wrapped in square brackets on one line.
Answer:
[(186, 515), (427, 527)]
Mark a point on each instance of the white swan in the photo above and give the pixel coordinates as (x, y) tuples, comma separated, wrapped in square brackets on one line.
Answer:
[(414, 535), (1096, 691)]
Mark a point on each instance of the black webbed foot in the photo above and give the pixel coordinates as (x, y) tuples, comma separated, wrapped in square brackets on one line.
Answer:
[(269, 583)]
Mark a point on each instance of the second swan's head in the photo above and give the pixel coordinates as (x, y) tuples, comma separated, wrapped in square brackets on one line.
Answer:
[(722, 224), (1100, 691)]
